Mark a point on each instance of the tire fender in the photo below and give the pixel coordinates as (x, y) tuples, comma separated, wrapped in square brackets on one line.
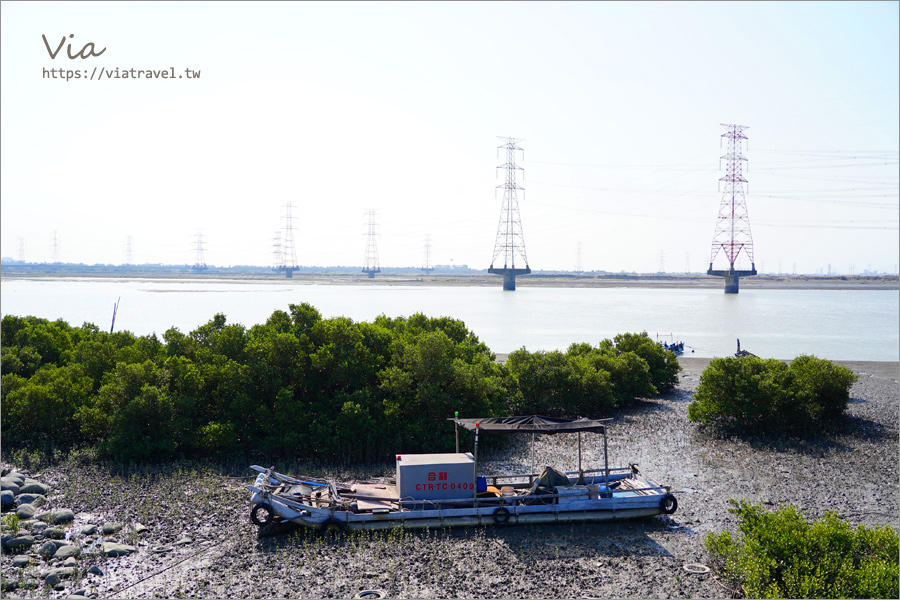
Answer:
[(332, 527), (668, 504), (501, 516), (269, 514)]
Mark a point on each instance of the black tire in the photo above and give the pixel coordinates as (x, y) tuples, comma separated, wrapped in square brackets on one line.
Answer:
[(669, 504), (501, 516), (269, 514), (332, 528)]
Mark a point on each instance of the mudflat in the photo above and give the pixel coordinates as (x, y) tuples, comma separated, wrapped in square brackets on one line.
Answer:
[(200, 542)]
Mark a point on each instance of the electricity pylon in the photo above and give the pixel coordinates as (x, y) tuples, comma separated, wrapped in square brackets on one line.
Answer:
[(510, 242), (285, 252), (371, 264), (732, 235), (199, 260)]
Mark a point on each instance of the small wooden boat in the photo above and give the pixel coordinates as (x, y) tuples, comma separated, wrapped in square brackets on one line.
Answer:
[(441, 490)]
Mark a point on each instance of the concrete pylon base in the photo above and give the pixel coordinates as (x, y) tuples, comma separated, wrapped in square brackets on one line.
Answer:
[(509, 276), (731, 278)]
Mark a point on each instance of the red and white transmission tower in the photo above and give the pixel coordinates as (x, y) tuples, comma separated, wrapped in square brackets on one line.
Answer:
[(732, 238)]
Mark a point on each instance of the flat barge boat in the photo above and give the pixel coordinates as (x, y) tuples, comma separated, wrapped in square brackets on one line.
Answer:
[(444, 490)]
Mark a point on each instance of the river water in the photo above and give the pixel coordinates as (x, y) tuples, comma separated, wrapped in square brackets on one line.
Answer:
[(832, 324)]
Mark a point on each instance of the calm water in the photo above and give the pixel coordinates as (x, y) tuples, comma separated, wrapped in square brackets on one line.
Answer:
[(833, 324)]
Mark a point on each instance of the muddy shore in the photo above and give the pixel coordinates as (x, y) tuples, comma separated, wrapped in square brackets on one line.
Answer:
[(852, 470)]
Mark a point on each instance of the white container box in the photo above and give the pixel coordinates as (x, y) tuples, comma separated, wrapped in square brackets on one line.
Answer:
[(435, 476)]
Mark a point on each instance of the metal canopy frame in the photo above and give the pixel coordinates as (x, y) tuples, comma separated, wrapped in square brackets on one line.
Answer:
[(534, 424)]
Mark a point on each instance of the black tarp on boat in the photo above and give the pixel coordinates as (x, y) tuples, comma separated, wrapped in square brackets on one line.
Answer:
[(532, 424)]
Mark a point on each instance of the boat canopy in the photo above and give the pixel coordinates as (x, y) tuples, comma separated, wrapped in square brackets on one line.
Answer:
[(532, 424)]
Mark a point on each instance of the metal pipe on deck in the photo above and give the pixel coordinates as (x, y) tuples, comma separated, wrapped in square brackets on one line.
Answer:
[(605, 460)]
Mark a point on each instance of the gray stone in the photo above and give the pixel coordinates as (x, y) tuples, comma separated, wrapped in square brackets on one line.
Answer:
[(139, 529), (183, 541), (89, 530), (38, 526), (26, 511), (7, 499), (61, 543), (95, 570), (47, 550), (70, 562), (111, 528), (21, 561), (32, 499), (112, 549), (59, 573), (16, 478), (19, 543), (55, 533), (65, 552), (34, 487), (63, 516)]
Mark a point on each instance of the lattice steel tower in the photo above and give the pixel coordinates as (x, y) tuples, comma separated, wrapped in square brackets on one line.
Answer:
[(510, 243), (371, 264), (426, 263), (54, 248), (732, 238), (285, 252), (199, 260)]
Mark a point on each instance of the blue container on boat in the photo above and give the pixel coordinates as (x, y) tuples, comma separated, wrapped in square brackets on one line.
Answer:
[(480, 485)]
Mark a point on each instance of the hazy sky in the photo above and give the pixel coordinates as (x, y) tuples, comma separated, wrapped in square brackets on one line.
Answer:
[(339, 108)]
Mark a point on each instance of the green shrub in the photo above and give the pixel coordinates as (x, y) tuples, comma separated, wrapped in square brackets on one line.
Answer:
[(751, 394), (779, 554)]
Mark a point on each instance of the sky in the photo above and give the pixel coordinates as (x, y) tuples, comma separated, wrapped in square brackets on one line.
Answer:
[(343, 108)]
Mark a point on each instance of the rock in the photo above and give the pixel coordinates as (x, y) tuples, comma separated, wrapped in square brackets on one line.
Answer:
[(26, 511), (21, 561), (19, 543), (70, 562), (183, 541), (63, 516), (112, 549), (66, 552), (54, 575), (7, 499), (38, 526), (89, 530), (55, 533), (17, 477), (47, 550), (139, 529), (95, 570), (34, 487), (32, 499), (12, 484), (111, 528)]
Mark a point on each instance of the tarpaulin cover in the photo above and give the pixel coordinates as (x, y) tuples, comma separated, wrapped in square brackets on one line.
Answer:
[(532, 424)]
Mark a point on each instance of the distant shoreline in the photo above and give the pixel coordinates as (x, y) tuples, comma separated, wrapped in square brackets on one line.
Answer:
[(560, 280)]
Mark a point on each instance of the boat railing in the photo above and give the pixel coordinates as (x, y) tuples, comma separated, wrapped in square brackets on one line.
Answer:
[(499, 480)]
